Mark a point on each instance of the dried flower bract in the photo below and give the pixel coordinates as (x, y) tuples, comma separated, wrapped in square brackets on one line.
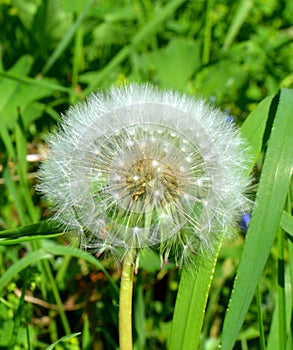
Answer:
[(139, 167)]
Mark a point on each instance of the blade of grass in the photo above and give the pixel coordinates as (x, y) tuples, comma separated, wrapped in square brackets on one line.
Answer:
[(53, 327), (266, 217), (63, 340), (65, 41), (21, 152), (139, 315), (238, 20), (220, 279), (86, 334), (41, 228), (62, 271), (207, 33), (55, 290), (8, 88), (42, 83), (254, 127), (273, 338), (21, 166), (290, 307), (17, 198), (7, 141), (287, 223), (191, 302), (18, 314), (21, 264), (290, 268), (262, 344), (281, 291), (27, 239), (78, 56)]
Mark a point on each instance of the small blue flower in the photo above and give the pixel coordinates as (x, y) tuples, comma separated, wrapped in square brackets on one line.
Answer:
[(244, 222), (229, 119)]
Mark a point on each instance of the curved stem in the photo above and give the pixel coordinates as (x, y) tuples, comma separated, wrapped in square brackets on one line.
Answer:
[(125, 303)]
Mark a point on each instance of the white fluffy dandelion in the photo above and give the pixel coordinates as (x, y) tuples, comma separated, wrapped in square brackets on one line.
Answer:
[(139, 167)]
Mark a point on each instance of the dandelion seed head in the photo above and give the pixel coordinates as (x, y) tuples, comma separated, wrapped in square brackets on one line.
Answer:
[(136, 167)]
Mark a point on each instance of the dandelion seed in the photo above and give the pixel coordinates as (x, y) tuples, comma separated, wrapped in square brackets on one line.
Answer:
[(137, 167)]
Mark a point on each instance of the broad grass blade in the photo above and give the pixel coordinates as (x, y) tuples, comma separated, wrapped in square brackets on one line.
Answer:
[(270, 200), (191, 302)]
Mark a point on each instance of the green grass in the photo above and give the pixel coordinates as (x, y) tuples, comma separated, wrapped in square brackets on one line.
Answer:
[(239, 56)]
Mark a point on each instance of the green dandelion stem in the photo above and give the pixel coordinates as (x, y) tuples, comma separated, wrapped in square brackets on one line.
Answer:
[(125, 303)]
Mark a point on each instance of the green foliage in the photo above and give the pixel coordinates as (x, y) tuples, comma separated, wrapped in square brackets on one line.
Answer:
[(237, 54), (269, 204)]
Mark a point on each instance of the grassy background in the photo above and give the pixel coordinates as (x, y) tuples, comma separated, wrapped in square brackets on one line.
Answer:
[(55, 52)]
